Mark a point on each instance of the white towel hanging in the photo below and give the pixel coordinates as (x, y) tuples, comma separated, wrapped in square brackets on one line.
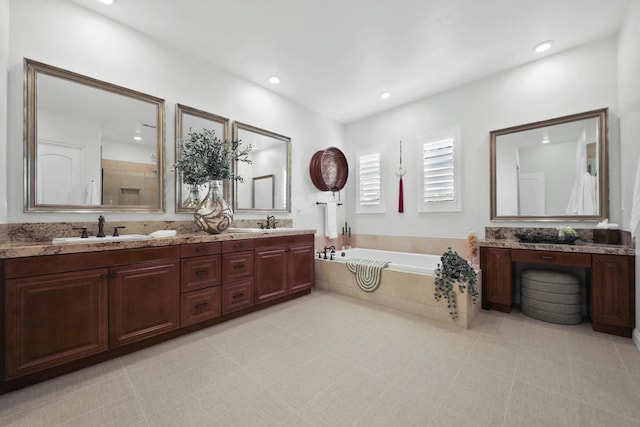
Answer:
[(331, 220), (635, 208), (92, 194)]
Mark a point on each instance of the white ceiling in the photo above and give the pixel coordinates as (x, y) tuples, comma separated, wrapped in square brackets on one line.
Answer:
[(337, 56)]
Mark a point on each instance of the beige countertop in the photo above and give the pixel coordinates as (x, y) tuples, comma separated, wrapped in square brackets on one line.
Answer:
[(25, 249), (578, 247)]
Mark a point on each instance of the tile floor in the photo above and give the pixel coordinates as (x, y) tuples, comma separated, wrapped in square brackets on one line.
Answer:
[(329, 360)]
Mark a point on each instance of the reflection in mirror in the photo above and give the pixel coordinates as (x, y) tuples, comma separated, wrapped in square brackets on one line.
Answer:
[(193, 120), (262, 192), (271, 157), (91, 145), (551, 170)]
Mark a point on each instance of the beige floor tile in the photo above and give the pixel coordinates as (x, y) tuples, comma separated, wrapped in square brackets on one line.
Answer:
[(480, 394), (277, 365), (597, 349), (608, 389), (400, 407), (346, 400), (537, 368), (263, 346), (629, 354), (526, 401), (589, 416), (497, 353), (446, 418), (123, 412)]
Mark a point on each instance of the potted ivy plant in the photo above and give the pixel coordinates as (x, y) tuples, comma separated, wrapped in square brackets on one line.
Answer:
[(205, 158), (454, 270)]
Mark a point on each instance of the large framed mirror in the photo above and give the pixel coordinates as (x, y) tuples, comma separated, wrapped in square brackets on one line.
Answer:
[(90, 145), (268, 172), (553, 170), (188, 120)]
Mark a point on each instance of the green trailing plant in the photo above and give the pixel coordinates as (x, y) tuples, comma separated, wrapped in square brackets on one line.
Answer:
[(205, 157), (454, 270)]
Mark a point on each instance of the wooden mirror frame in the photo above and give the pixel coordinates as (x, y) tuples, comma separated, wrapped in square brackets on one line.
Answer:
[(603, 170)]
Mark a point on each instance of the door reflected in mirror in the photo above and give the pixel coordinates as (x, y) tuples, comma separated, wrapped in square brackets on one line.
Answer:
[(556, 169), (91, 145), (266, 182), (188, 120)]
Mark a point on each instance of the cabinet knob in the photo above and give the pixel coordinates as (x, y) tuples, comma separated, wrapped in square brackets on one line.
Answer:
[(113, 275), (238, 266), (549, 257), (104, 276), (201, 272), (203, 249), (236, 296), (201, 305)]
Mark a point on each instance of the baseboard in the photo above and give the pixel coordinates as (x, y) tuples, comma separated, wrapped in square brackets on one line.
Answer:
[(636, 337)]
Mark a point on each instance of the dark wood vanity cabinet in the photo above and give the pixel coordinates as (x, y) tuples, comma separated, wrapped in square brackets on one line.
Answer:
[(54, 319), (497, 279), (144, 300), (283, 265), (63, 312), (613, 294), (612, 279)]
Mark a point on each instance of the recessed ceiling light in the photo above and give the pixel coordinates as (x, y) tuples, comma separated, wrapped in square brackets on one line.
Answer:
[(137, 138), (385, 95), (543, 46), (545, 140), (107, 1), (274, 80)]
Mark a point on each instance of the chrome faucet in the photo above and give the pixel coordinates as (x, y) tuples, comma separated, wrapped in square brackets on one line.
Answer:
[(100, 226)]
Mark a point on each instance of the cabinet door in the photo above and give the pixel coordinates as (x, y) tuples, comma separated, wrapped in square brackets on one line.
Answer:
[(496, 278), (271, 273), (54, 319), (612, 293), (144, 300), (301, 268)]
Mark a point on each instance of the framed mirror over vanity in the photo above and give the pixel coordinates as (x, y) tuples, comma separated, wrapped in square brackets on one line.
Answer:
[(90, 145), (266, 184), (552, 170), (189, 119)]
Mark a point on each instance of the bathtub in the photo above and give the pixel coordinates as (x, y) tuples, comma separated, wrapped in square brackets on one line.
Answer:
[(399, 261), (407, 284)]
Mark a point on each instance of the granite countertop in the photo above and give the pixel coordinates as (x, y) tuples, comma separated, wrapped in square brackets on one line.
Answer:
[(578, 247), (25, 249)]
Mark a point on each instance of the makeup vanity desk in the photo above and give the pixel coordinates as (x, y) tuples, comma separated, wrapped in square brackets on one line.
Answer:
[(610, 273)]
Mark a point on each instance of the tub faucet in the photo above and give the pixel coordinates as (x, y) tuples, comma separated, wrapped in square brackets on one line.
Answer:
[(271, 221), (100, 226), (332, 249)]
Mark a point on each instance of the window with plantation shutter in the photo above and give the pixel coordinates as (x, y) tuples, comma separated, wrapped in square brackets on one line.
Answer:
[(439, 163), (369, 182)]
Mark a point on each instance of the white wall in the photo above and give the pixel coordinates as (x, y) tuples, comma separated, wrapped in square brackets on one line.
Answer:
[(578, 80), (65, 35), (629, 89), (4, 58)]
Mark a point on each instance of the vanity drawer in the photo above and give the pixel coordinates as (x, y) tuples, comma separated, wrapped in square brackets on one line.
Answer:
[(200, 249), (548, 257), (237, 245), (236, 296), (237, 266), (198, 306), (199, 272)]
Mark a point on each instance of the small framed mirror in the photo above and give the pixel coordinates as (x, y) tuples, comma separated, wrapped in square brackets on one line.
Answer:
[(90, 145), (553, 170), (188, 120), (266, 185)]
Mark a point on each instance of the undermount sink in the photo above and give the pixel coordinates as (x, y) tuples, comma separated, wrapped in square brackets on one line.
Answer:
[(94, 239), (255, 230)]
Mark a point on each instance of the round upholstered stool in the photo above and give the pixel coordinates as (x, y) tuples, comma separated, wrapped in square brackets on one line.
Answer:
[(551, 296)]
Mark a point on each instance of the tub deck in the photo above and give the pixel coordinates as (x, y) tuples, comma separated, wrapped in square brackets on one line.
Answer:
[(405, 291)]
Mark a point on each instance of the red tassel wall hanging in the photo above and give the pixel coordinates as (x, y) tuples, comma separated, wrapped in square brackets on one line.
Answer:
[(401, 171)]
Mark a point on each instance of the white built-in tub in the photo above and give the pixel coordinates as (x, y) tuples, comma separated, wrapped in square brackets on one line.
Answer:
[(407, 284), (400, 261)]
